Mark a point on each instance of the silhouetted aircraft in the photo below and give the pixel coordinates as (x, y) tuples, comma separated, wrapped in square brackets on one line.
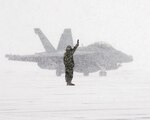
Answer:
[(92, 58)]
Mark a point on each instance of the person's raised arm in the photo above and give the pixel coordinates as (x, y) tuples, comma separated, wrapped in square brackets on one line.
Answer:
[(75, 47)]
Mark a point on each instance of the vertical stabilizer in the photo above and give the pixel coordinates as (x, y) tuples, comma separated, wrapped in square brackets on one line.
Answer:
[(65, 40), (47, 45)]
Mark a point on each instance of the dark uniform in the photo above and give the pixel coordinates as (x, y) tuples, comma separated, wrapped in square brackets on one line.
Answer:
[(69, 63)]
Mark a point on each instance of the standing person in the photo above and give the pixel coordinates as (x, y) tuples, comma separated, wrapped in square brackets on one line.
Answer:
[(69, 63)]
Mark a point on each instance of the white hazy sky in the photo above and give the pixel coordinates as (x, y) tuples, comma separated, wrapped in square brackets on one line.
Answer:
[(125, 24)]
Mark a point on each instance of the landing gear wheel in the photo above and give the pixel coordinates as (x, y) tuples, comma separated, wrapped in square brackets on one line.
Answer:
[(58, 72), (86, 73), (102, 73)]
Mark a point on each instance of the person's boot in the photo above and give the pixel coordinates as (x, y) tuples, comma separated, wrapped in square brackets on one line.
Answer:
[(70, 84)]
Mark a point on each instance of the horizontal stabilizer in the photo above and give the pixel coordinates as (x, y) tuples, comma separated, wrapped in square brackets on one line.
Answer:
[(47, 45)]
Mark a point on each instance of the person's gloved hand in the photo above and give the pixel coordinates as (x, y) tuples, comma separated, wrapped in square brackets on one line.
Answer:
[(78, 41)]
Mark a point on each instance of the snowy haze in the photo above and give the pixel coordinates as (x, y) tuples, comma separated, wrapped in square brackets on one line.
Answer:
[(28, 92), (122, 23)]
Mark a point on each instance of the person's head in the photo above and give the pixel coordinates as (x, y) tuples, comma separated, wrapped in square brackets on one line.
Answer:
[(68, 48)]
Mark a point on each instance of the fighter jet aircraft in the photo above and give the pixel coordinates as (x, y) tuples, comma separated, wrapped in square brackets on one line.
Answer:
[(92, 58)]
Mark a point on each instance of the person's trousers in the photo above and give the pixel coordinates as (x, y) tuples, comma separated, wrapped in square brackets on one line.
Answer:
[(68, 74)]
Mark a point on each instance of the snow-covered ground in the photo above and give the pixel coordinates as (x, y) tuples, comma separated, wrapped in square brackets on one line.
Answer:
[(35, 94)]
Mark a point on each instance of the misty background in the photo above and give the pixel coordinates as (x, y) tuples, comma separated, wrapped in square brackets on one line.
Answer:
[(29, 92), (125, 24)]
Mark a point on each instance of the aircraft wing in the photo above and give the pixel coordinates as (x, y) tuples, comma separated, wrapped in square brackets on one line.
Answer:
[(28, 58), (35, 57), (83, 53), (42, 56)]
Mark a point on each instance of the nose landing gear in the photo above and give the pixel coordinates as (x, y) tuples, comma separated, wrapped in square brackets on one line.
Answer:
[(102, 73), (86, 73)]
